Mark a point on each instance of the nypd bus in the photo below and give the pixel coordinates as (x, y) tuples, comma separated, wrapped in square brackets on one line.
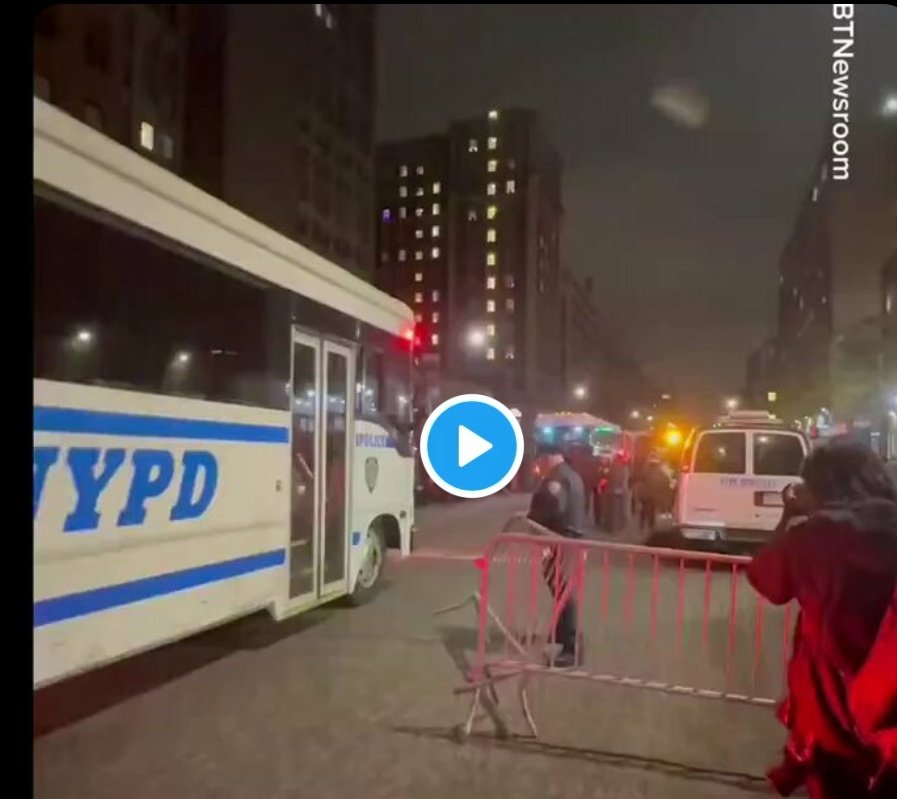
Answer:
[(221, 417)]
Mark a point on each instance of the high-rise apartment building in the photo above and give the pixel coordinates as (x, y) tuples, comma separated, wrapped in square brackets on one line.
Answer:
[(469, 236), (269, 107)]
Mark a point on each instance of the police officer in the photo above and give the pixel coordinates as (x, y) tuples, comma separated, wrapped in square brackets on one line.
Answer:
[(559, 504)]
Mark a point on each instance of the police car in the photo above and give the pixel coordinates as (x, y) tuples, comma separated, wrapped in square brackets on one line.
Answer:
[(732, 478)]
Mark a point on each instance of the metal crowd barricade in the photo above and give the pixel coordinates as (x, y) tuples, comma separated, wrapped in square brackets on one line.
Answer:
[(668, 620)]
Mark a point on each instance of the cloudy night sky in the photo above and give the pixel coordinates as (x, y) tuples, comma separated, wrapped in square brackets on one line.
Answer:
[(680, 219)]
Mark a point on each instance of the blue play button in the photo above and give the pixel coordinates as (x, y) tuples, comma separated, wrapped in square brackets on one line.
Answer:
[(471, 446)]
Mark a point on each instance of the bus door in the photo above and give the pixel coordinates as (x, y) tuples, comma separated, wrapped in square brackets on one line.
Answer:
[(322, 411)]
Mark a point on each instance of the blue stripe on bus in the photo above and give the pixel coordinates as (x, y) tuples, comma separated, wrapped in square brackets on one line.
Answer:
[(109, 423), (71, 606)]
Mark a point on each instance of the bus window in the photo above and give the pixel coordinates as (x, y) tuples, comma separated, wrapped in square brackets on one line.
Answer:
[(371, 382)]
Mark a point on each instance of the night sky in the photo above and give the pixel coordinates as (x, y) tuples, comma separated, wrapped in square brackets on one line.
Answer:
[(680, 223)]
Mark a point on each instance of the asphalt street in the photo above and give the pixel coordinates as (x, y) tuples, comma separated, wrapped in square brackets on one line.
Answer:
[(359, 703)]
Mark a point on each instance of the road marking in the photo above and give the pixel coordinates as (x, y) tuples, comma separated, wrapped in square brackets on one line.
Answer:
[(425, 554)]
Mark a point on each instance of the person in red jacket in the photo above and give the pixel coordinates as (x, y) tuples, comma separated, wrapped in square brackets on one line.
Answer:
[(835, 553)]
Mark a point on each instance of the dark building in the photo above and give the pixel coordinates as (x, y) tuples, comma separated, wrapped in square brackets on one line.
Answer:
[(120, 69), (468, 235), (412, 179), (595, 358), (889, 353), (763, 383), (269, 107), (830, 342)]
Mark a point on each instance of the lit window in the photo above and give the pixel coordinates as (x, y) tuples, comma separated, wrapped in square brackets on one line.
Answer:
[(435, 339), (512, 164), (491, 165), (437, 187), (490, 354), (815, 193), (471, 214), (493, 115), (329, 21), (418, 296), (418, 233), (492, 143), (491, 258), (509, 354), (386, 216), (434, 231), (403, 171), (435, 295), (511, 186), (490, 282), (434, 253), (319, 10), (418, 255), (403, 212), (491, 212), (490, 306), (509, 303), (418, 212), (419, 191), (434, 318), (490, 235), (403, 191), (490, 189), (401, 255), (509, 281), (418, 170), (472, 146), (418, 317), (418, 277), (490, 330), (147, 136), (435, 209)]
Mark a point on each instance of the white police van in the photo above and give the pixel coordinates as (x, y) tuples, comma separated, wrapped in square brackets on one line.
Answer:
[(732, 477), (221, 417)]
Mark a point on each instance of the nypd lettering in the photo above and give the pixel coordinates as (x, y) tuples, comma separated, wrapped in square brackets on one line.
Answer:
[(153, 472)]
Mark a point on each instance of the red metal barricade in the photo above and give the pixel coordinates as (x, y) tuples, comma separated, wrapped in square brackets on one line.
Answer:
[(667, 620)]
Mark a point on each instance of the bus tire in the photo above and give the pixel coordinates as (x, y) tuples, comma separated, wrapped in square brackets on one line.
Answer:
[(370, 574)]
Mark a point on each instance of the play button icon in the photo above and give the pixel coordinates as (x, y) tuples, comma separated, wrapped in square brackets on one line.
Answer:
[(471, 446)]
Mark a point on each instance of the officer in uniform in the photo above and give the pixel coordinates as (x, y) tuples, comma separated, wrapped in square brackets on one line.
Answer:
[(559, 504)]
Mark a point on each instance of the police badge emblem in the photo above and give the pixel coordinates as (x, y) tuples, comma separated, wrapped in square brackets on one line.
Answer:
[(371, 471)]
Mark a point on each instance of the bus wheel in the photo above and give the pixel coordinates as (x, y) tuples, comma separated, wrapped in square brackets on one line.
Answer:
[(370, 573)]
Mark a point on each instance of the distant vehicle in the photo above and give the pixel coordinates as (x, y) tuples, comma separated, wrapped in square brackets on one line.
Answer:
[(221, 417), (589, 441), (732, 476)]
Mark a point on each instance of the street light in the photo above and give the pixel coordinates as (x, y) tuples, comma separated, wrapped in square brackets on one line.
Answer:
[(580, 392), (889, 105), (635, 415), (732, 404), (476, 337)]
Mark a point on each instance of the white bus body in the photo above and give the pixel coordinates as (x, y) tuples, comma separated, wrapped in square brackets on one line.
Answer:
[(166, 498)]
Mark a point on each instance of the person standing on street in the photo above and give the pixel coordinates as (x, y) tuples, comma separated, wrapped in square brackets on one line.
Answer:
[(559, 505), (835, 553), (654, 493)]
